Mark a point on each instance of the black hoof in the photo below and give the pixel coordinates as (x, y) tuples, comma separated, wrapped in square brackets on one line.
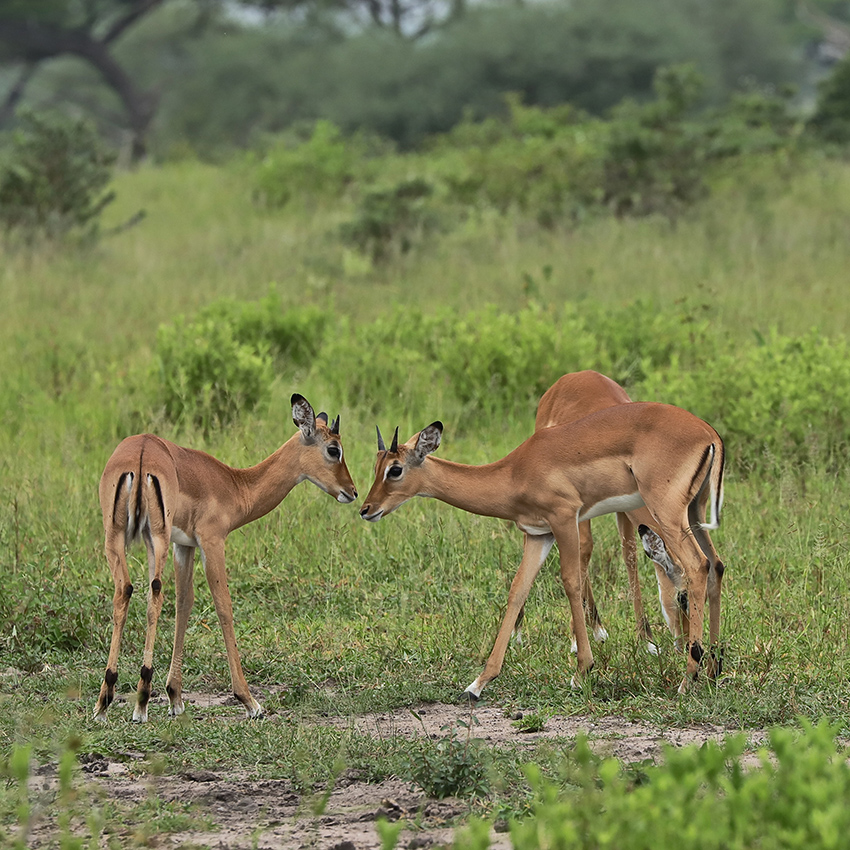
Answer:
[(469, 698)]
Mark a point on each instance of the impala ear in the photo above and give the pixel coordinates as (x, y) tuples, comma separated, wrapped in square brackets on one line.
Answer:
[(323, 416), (427, 441), (303, 416)]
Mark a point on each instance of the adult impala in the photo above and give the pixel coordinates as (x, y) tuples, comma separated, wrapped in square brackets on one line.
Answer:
[(571, 397), (160, 493), (615, 460)]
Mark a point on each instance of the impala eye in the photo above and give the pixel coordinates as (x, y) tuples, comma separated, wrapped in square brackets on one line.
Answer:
[(334, 452), (395, 472)]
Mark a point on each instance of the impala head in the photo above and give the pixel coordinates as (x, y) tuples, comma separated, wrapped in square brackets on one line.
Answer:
[(396, 471), (322, 461)]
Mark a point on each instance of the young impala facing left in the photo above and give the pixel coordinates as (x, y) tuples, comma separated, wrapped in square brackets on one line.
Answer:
[(615, 460), (160, 493)]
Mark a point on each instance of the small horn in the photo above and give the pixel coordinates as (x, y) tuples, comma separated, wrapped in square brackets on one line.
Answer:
[(381, 446), (394, 445), (335, 426)]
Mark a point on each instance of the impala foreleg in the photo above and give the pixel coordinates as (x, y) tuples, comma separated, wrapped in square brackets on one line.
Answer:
[(120, 604), (535, 550), (184, 587), (213, 558)]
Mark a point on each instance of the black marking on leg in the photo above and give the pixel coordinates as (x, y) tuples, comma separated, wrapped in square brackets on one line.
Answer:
[(111, 677), (717, 659), (156, 586), (147, 674), (128, 590), (719, 569), (171, 691), (682, 601), (697, 652), (469, 697)]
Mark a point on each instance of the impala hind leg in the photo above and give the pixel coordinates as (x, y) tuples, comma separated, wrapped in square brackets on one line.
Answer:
[(535, 550), (629, 549), (117, 559), (716, 568), (184, 569), (157, 547), (212, 555)]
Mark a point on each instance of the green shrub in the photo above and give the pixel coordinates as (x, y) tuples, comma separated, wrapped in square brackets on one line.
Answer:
[(210, 369), (206, 376), (702, 795), (391, 219), (321, 166), (53, 178), (831, 119), (778, 400)]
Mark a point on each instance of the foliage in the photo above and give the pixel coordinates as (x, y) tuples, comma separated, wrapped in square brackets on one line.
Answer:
[(213, 368), (455, 767), (393, 218), (794, 799), (54, 175), (831, 119), (322, 165)]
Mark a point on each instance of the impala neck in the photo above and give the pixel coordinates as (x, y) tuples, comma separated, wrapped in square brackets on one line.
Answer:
[(483, 490), (267, 484)]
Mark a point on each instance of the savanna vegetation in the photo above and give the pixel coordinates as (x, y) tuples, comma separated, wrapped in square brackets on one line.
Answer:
[(697, 256)]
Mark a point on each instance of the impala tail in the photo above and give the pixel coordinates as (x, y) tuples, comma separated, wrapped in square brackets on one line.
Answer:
[(714, 480), (135, 496)]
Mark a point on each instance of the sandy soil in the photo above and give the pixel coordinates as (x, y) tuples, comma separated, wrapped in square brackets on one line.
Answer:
[(269, 815)]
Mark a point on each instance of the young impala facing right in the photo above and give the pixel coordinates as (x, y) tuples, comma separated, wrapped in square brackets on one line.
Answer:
[(157, 492), (615, 460)]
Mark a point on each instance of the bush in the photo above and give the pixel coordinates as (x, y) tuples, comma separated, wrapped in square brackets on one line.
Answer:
[(320, 166), (831, 120), (700, 794), (53, 178), (391, 218), (221, 363)]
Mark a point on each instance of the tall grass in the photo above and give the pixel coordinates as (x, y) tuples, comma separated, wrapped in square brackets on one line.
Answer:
[(343, 616)]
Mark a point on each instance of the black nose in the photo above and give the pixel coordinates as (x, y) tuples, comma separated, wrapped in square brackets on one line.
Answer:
[(364, 510), (355, 492)]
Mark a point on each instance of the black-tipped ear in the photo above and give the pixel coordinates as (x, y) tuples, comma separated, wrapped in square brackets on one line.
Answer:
[(303, 416), (394, 444), (428, 441), (335, 426), (381, 446), (323, 416)]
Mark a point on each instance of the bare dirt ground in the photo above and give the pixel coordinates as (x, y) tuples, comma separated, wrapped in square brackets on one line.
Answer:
[(270, 815)]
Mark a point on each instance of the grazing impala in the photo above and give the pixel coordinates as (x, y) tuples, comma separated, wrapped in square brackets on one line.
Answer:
[(615, 460), (570, 398), (155, 491)]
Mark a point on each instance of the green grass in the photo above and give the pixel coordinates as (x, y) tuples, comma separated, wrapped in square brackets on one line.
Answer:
[(335, 616)]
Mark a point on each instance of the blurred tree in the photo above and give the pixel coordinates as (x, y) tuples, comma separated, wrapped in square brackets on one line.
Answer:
[(32, 31)]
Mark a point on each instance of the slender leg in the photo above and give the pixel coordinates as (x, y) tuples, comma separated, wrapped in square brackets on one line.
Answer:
[(536, 549), (212, 555), (117, 559), (157, 546), (184, 568), (629, 550), (569, 549)]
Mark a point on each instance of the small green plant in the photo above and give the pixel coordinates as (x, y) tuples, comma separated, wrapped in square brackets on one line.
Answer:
[(531, 722), (456, 766), (53, 177)]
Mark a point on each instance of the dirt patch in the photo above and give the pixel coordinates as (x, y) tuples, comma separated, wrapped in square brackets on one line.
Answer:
[(270, 815)]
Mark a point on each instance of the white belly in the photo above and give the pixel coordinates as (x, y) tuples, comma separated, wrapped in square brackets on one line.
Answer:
[(535, 530), (179, 536), (613, 505)]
